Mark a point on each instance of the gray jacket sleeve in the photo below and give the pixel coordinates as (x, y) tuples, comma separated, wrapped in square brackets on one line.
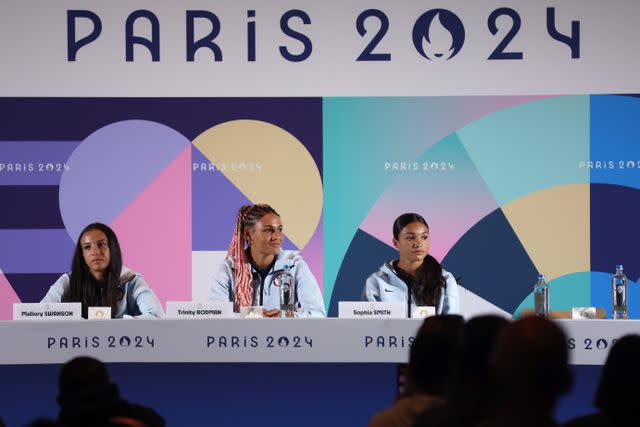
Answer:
[(309, 297), (451, 300), (146, 300), (371, 291), (222, 285), (57, 290)]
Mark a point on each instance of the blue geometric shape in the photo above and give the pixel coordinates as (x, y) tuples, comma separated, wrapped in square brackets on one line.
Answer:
[(492, 262), (365, 256), (615, 131), (32, 287), (614, 229), (602, 294), (30, 206)]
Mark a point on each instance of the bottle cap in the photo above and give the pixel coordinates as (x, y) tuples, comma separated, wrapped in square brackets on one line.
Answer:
[(619, 267), (540, 276)]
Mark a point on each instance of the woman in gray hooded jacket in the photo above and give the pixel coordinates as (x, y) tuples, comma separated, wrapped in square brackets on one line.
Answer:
[(415, 277)]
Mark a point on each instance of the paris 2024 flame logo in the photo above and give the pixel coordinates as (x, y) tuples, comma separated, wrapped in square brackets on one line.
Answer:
[(438, 35)]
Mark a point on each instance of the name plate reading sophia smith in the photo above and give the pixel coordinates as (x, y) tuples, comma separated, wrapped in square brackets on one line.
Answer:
[(371, 310), (47, 311)]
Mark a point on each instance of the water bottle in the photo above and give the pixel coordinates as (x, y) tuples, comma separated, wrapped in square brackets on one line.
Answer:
[(541, 297), (287, 293), (619, 292)]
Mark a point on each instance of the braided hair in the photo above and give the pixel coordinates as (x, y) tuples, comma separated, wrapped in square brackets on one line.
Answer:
[(248, 216)]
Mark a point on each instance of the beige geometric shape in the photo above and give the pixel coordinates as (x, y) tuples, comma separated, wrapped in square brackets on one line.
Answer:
[(553, 226), (268, 165)]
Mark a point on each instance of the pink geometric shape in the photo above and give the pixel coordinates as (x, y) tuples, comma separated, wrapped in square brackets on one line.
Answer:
[(155, 232), (312, 255), (7, 298)]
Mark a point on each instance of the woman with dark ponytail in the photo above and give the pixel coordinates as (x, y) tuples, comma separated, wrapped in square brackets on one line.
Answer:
[(98, 278), (415, 277), (255, 262)]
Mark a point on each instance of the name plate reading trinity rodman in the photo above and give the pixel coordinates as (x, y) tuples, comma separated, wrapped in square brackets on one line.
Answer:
[(199, 310), (49, 311)]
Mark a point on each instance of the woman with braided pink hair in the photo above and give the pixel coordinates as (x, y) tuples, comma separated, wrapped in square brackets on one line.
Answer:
[(250, 275)]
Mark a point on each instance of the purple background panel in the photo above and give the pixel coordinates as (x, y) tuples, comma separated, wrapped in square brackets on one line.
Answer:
[(35, 157), (35, 251), (29, 206), (75, 118), (111, 167)]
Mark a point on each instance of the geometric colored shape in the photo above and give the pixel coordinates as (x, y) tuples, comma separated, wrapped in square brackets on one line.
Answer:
[(215, 205), (35, 251), (313, 255), (29, 206), (614, 229), (204, 265), (492, 263), (472, 305), (602, 294), (34, 162), (287, 177), (32, 287), (361, 135), (565, 292), (531, 147), (444, 186), (365, 256), (615, 132), (553, 227), (8, 297), (154, 231), (108, 170)]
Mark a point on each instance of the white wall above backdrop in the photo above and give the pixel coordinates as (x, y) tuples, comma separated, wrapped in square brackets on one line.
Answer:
[(311, 48)]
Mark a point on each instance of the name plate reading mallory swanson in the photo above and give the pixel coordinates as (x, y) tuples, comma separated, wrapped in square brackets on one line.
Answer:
[(199, 310), (49, 311), (371, 310)]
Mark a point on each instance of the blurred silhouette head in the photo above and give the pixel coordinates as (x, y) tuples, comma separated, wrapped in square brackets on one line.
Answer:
[(479, 337), (531, 360), (433, 352), (616, 394)]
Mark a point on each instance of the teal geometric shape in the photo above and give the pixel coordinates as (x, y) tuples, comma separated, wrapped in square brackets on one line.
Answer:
[(565, 292), (537, 145)]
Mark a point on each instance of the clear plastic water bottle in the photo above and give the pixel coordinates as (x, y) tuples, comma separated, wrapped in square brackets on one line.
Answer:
[(541, 297), (287, 293), (619, 293)]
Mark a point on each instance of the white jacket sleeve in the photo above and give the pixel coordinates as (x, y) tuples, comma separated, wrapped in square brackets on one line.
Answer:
[(451, 300), (309, 297), (146, 300), (57, 290), (222, 285), (371, 291)]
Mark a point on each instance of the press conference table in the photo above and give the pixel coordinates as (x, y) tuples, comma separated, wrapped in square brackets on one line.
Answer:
[(329, 340)]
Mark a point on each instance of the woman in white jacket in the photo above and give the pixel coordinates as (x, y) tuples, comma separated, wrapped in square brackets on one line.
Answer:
[(415, 277), (250, 276), (98, 278)]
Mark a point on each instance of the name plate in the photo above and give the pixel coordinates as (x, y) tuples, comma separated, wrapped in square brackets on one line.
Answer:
[(199, 310), (49, 311), (98, 313), (583, 313), (371, 310), (422, 311)]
